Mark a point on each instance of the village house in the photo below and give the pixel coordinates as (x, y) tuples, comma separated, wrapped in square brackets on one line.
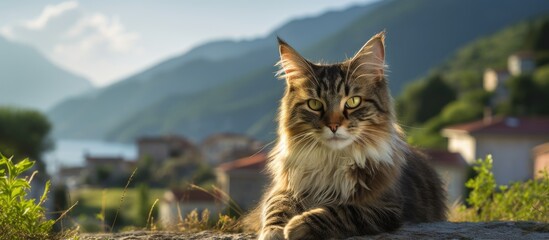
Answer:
[(244, 180), (71, 177), (177, 204), (106, 169), (452, 169), (163, 147), (509, 140), (494, 80), (225, 147), (521, 63)]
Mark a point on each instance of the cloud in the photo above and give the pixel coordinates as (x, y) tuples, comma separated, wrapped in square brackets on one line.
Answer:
[(49, 12), (78, 40), (7, 32), (98, 29)]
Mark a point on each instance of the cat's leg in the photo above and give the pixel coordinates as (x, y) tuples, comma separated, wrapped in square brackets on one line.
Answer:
[(277, 210), (343, 221)]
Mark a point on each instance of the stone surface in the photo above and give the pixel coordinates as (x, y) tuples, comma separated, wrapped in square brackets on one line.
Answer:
[(441, 230), (169, 235)]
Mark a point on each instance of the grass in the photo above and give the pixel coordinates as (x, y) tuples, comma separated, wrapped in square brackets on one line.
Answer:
[(105, 202), (25, 219), (91, 209), (97, 208)]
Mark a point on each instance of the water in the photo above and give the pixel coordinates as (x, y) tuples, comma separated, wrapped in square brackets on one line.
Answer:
[(70, 153)]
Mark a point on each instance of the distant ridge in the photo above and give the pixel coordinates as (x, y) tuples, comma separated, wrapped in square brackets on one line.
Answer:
[(186, 74), (198, 93), (28, 79)]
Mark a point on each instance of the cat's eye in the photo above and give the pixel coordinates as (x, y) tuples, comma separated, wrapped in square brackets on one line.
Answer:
[(314, 104), (353, 102)]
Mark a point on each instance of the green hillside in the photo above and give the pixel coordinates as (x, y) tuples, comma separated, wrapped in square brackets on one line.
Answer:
[(92, 116), (246, 105), (240, 94), (453, 93)]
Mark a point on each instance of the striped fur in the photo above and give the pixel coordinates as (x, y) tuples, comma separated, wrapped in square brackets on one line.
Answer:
[(342, 171)]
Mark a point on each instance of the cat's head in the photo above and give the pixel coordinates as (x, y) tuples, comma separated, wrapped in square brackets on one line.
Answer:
[(337, 105)]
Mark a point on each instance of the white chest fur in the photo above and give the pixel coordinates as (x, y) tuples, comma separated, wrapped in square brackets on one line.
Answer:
[(321, 174)]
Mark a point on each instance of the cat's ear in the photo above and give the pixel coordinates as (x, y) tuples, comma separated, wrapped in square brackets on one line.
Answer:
[(370, 59), (292, 65)]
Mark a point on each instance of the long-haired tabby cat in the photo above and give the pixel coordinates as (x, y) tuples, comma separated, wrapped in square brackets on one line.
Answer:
[(341, 166)]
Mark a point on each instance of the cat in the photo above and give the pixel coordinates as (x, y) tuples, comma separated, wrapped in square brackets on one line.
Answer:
[(341, 167)]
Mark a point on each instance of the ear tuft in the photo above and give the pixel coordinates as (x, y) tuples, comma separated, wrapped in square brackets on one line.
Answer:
[(292, 65), (369, 61), (280, 41)]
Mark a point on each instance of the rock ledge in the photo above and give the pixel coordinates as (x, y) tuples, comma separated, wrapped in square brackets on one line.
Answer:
[(440, 230)]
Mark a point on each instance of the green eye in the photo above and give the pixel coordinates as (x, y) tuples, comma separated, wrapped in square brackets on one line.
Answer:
[(314, 104), (353, 102)]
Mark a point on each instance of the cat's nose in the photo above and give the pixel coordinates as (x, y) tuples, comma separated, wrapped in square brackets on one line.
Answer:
[(333, 127)]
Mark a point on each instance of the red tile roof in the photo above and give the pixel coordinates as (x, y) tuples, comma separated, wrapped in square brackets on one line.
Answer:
[(444, 157), (506, 125), (254, 162)]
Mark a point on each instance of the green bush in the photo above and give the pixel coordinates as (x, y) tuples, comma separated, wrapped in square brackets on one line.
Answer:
[(521, 201), (21, 218)]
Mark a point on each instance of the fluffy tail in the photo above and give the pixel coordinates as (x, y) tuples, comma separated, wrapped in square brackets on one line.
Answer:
[(251, 222)]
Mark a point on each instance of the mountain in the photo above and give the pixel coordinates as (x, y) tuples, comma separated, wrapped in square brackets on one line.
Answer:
[(246, 105), (225, 49), (423, 33), (28, 79), (238, 93), (206, 66)]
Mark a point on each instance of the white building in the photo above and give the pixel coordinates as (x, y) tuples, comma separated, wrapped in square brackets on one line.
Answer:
[(452, 169), (521, 63), (495, 81), (541, 159), (244, 180), (510, 141)]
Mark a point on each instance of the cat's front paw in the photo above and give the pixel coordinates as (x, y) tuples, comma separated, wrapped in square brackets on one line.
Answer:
[(297, 228), (271, 234)]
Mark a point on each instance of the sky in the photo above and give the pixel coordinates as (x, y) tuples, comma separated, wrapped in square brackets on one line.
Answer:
[(106, 41)]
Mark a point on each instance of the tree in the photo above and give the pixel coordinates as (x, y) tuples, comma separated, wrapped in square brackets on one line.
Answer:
[(527, 96), (24, 133), (469, 107), (424, 99), (537, 38), (537, 41)]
